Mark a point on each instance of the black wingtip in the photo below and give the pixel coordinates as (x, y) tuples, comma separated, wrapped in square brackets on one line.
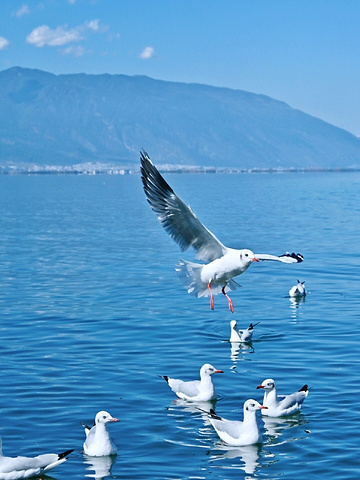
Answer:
[(65, 454), (305, 388), (296, 256), (145, 163), (213, 414), (165, 377), (252, 325), (144, 156), (152, 180)]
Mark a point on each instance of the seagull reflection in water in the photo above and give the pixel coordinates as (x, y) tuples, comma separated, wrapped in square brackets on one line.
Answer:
[(238, 348), (295, 305), (101, 466), (196, 407), (248, 455)]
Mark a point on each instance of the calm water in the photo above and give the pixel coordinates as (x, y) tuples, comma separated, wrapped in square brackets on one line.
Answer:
[(91, 312)]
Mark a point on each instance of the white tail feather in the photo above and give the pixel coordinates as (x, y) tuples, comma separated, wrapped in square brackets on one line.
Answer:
[(190, 276)]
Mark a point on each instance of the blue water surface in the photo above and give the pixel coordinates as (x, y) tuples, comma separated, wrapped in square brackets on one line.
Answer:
[(91, 312)]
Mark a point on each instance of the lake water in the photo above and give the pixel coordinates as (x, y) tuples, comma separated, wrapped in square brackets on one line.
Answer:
[(91, 312)]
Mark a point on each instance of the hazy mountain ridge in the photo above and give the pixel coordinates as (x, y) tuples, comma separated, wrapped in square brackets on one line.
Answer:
[(70, 119)]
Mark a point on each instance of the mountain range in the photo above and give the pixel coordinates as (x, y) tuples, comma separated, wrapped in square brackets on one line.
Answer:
[(64, 120)]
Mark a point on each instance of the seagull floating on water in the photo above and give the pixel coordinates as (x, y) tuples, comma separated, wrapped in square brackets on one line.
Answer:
[(279, 405), (98, 442), (18, 468), (298, 290), (235, 432), (183, 226), (241, 336), (202, 390)]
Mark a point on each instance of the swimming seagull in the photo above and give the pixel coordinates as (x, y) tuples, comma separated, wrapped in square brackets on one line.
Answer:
[(241, 336), (279, 405), (183, 226), (98, 442), (202, 390), (298, 290), (18, 468), (235, 432)]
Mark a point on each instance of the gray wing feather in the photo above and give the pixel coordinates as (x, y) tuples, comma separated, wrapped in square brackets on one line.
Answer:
[(20, 463), (231, 427), (291, 400), (191, 389), (175, 216), (90, 436)]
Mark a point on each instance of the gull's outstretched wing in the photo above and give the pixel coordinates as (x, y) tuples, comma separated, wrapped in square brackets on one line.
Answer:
[(286, 258), (175, 216)]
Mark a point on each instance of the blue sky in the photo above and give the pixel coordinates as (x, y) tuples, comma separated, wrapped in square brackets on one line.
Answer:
[(305, 53)]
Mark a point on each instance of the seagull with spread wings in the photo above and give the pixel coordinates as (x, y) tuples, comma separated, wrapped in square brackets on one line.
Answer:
[(222, 263)]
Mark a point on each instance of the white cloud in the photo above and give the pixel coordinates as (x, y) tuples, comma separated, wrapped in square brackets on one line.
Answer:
[(4, 43), (93, 25), (44, 35), (62, 35), (23, 10), (74, 50), (148, 52)]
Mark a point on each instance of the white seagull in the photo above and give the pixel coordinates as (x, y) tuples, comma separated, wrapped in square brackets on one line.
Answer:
[(241, 336), (280, 405), (298, 290), (202, 390), (183, 226), (98, 442), (17, 468), (235, 432)]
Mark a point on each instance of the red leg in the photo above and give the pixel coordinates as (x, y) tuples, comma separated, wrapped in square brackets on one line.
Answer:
[(211, 297), (229, 300)]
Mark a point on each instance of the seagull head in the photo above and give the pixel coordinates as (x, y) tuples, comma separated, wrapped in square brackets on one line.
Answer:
[(104, 418), (208, 369), (252, 405), (247, 256), (267, 385)]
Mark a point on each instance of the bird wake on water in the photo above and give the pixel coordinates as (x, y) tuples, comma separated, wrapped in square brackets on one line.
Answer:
[(222, 263)]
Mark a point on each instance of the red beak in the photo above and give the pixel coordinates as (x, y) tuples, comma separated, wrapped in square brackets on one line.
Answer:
[(114, 420), (260, 386), (262, 406), (255, 259), (219, 371)]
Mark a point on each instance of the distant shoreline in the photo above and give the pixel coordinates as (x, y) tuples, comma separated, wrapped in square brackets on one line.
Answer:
[(107, 170)]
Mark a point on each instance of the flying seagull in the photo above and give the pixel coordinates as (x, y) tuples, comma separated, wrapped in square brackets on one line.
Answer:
[(222, 263)]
